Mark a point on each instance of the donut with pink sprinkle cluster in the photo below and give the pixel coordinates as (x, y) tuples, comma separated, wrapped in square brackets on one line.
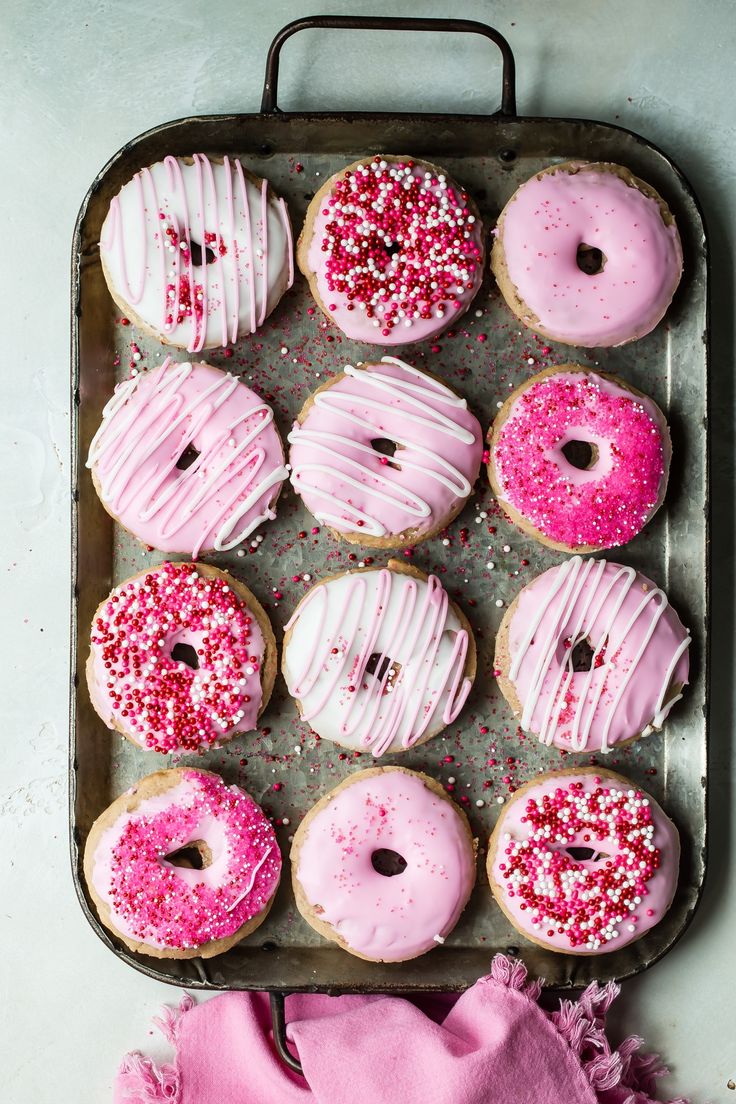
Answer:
[(182, 865), (583, 862), (182, 657), (393, 250)]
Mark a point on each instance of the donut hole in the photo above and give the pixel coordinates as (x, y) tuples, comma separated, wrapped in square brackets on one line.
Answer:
[(590, 259), (195, 856), (379, 666), (388, 863), (586, 854), (581, 454), (582, 656), (185, 653), (386, 448), (198, 257), (187, 458)]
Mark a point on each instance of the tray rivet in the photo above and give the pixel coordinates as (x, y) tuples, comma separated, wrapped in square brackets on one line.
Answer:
[(507, 155)]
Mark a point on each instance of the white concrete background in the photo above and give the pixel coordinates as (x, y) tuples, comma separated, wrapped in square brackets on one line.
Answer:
[(79, 79)]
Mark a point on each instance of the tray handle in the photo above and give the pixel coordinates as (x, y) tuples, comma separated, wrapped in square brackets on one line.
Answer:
[(278, 1020), (269, 103)]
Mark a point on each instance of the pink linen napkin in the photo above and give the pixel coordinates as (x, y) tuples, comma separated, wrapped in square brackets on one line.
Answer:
[(494, 1046)]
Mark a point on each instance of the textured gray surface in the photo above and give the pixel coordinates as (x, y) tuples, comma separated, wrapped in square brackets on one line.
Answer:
[(78, 82)]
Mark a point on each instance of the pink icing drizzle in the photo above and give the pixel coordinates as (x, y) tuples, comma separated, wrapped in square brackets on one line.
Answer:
[(603, 506), (543, 225), (382, 917), (156, 902), (594, 904)]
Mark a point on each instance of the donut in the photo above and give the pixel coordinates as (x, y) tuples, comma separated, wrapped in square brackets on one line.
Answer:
[(587, 254), (187, 459), (197, 252), (606, 496), (182, 865), (384, 864), (590, 655), (393, 250), (583, 862), (182, 657), (378, 658), (384, 454)]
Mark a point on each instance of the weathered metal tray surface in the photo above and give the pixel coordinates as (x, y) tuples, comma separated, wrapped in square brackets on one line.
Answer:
[(484, 357)]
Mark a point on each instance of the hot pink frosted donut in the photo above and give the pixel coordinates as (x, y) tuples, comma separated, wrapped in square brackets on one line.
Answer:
[(583, 862), (393, 250), (168, 910), (384, 864), (365, 495), (634, 670), (602, 207), (187, 458), (181, 657), (564, 506)]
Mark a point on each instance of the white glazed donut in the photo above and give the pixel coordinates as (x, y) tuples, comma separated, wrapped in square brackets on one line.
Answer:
[(197, 252)]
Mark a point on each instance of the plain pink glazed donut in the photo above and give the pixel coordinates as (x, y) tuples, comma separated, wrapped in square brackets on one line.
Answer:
[(168, 910), (593, 206), (583, 862)]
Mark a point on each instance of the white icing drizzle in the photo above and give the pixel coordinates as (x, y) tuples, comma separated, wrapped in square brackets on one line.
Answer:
[(252, 881)]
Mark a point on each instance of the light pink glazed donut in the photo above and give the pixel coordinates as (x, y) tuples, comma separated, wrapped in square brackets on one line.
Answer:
[(161, 906), (393, 250), (590, 655), (187, 458), (600, 210), (365, 495), (562, 505), (583, 862), (197, 252), (384, 864), (182, 657)]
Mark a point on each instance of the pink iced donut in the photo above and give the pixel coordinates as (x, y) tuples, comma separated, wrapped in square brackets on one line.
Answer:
[(139, 868), (568, 507), (393, 250), (384, 864), (182, 657), (187, 458), (590, 655), (587, 254), (366, 495), (583, 862)]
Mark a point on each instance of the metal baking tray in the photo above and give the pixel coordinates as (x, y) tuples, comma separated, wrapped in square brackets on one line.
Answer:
[(486, 354)]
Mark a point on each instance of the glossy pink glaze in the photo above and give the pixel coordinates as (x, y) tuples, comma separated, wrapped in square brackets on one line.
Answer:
[(154, 902), (151, 422), (352, 487), (385, 234), (387, 918), (603, 506), (567, 903), (163, 703), (543, 225), (640, 651)]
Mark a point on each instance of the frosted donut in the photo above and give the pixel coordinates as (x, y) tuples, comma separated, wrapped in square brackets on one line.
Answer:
[(197, 252), (384, 864), (378, 659), (148, 891), (587, 254), (562, 505), (182, 657), (590, 655), (187, 459), (583, 862), (370, 497), (393, 250)]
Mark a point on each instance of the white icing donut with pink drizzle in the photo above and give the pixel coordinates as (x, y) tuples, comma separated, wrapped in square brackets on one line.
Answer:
[(601, 212), (379, 659), (187, 458), (197, 251), (583, 862), (384, 864), (590, 655), (168, 909), (363, 494)]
